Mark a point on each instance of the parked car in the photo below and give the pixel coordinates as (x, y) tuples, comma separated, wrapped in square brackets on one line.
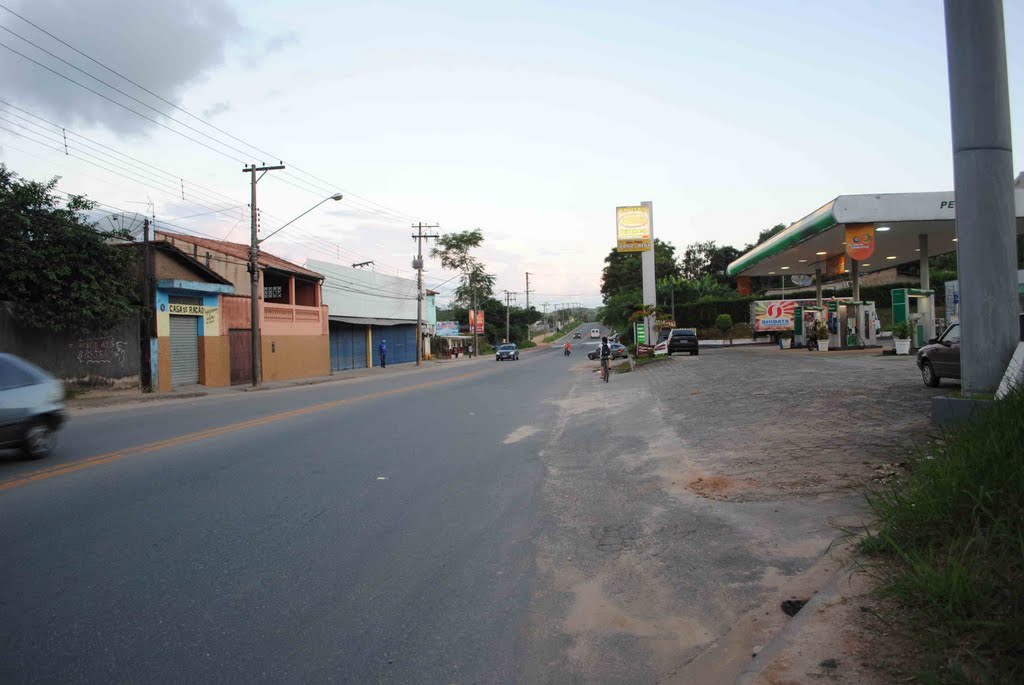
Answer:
[(940, 358), (31, 407), (577, 335), (619, 351), (506, 351), (683, 340)]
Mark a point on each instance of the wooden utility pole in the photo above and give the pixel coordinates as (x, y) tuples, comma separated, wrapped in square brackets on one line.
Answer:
[(417, 264), (254, 273)]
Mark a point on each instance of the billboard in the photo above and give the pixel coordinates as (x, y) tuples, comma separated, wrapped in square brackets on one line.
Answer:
[(476, 320), (633, 228), (774, 315), (446, 329)]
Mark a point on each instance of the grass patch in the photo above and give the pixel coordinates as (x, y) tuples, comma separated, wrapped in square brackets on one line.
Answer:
[(640, 361), (951, 536), (526, 344)]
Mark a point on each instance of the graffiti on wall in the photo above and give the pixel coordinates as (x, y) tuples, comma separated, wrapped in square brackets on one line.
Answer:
[(104, 350)]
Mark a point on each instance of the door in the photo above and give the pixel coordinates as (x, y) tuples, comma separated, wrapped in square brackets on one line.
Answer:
[(241, 355), (947, 356), (184, 350)]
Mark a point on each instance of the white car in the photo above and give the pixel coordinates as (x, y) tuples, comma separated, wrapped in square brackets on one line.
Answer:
[(31, 407), (595, 332)]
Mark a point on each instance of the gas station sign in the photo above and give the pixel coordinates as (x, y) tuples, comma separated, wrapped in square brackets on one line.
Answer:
[(774, 315), (860, 241)]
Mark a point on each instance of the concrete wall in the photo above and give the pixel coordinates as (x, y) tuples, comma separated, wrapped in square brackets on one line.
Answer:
[(295, 356), (105, 358)]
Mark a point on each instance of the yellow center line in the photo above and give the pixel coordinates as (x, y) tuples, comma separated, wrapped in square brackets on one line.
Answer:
[(187, 438)]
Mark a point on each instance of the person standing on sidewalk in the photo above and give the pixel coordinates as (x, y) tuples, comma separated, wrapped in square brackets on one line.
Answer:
[(382, 350)]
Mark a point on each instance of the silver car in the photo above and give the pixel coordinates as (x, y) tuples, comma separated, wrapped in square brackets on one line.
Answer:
[(31, 407)]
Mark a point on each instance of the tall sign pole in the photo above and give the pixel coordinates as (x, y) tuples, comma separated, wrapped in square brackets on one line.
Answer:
[(649, 287), (983, 180), (417, 264), (254, 274)]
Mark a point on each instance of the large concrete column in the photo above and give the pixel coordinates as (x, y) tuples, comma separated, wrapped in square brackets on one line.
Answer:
[(817, 284), (927, 310), (983, 180)]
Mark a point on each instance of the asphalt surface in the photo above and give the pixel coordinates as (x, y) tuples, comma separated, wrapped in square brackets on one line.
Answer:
[(380, 530)]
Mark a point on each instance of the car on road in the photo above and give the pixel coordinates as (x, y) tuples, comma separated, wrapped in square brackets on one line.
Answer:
[(506, 351), (595, 332), (577, 335), (619, 351), (940, 358), (683, 340), (31, 407)]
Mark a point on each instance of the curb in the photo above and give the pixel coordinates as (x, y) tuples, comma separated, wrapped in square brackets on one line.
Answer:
[(782, 639)]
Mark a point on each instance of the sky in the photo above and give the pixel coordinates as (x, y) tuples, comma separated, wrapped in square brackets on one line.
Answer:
[(531, 121)]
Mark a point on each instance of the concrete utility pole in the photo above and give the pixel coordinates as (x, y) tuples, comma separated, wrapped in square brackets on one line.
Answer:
[(509, 296), (527, 289), (254, 274), (983, 181), (146, 332), (418, 265)]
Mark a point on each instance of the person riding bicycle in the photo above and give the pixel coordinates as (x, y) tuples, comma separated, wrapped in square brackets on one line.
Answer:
[(604, 351), (568, 349)]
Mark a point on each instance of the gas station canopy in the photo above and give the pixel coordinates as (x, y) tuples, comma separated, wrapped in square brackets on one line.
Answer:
[(899, 219)]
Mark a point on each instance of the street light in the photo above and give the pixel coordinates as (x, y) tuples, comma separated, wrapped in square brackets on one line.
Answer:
[(254, 252)]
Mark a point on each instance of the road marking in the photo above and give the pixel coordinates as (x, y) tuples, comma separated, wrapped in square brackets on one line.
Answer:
[(187, 438)]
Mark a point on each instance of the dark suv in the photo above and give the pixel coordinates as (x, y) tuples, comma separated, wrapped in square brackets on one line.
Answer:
[(683, 340), (940, 358)]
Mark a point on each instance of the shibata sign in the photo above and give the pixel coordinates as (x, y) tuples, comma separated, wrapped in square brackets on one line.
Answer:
[(774, 315)]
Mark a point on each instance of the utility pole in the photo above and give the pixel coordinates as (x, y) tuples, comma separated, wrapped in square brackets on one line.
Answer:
[(254, 274), (147, 311), (509, 296), (417, 264), (527, 289)]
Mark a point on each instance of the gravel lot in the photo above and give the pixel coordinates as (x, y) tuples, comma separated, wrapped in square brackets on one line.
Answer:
[(761, 422)]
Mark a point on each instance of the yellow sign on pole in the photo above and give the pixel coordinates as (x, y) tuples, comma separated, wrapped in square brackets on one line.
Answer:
[(633, 229)]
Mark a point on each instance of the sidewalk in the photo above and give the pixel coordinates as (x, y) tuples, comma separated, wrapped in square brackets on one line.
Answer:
[(105, 398)]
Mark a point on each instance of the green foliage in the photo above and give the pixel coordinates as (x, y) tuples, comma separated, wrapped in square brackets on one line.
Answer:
[(723, 323), (453, 249), (703, 314), (622, 271), (61, 272), (952, 533), (901, 330), (707, 259)]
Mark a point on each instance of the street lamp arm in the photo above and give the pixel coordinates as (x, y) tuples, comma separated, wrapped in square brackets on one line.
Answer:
[(335, 197)]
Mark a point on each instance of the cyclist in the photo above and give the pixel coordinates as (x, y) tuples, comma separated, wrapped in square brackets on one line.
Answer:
[(604, 351)]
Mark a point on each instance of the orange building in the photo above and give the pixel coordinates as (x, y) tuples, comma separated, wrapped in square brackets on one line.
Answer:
[(203, 327)]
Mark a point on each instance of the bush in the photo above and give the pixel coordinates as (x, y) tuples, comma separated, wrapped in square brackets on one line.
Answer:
[(723, 323), (952, 532), (527, 344)]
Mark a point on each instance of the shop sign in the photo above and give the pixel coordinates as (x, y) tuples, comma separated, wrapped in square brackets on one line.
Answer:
[(774, 315), (644, 350), (633, 228), (446, 329), (186, 309), (860, 241)]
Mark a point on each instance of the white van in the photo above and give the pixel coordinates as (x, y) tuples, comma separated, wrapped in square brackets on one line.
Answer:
[(595, 332)]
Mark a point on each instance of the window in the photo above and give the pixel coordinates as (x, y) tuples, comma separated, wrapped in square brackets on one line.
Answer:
[(15, 375), (952, 336)]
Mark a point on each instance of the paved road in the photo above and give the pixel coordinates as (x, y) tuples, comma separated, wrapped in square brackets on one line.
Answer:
[(379, 530)]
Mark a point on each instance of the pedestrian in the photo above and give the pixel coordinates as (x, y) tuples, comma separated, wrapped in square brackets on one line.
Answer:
[(382, 350)]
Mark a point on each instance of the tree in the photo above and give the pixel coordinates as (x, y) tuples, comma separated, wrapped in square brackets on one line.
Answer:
[(623, 271), (60, 270), (765, 235), (707, 258), (453, 249)]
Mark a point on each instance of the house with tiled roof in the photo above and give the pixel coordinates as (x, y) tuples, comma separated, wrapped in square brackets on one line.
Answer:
[(203, 330)]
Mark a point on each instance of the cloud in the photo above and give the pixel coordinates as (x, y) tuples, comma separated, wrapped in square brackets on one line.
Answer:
[(215, 109), (165, 45), (274, 44)]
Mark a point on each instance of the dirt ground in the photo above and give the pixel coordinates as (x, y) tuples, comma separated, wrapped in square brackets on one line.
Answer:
[(686, 501)]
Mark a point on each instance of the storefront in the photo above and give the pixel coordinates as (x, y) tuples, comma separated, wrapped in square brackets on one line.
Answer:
[(189, 348)]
